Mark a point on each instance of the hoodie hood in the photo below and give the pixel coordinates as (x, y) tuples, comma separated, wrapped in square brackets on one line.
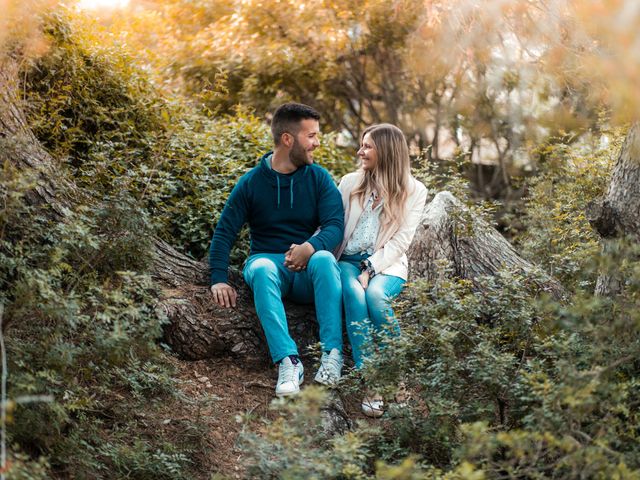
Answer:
[(283, 183)]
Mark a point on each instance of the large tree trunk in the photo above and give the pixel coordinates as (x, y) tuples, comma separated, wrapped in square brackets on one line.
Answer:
[(20, 147), (617, 214), (450, 241)]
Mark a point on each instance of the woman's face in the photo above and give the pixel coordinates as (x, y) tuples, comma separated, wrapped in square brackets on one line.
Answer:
[(368, 154)]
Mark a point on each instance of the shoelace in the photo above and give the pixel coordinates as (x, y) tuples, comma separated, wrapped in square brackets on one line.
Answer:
[(332, 364), (286, 373)]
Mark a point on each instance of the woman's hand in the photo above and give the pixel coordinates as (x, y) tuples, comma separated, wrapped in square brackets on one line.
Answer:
[(363, 278)]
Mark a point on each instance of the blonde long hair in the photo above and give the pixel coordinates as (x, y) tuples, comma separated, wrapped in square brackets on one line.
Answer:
[(391, 177)]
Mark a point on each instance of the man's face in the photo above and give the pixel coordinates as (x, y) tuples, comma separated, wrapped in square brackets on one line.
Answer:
[(305, 142)]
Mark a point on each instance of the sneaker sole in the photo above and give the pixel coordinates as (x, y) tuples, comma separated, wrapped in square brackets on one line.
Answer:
[(329, 382), (295, 392), (288, 394)]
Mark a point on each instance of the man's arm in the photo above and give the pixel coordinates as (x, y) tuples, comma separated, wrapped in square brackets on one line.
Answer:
[(231, 220), (331, 215), (331, 229)]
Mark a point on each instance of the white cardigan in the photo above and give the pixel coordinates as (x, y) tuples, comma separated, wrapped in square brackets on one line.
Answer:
[(390, 251)]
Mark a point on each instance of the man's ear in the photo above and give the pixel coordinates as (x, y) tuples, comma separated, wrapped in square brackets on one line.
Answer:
[(287, 139)]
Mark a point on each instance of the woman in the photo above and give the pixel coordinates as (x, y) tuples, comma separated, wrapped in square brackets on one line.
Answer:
[(383, 206)]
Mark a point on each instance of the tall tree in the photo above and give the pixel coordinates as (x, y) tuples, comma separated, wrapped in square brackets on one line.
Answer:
[(617, 214)]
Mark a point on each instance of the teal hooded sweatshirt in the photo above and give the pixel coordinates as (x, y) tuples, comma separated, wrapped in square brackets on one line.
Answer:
[(281, 209)]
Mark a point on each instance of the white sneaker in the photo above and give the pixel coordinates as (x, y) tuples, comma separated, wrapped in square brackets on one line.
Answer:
[(330, 367), (290, 377), (373, 405)]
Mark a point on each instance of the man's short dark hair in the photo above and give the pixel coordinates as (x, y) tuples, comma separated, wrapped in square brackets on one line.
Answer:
[(287, 118)]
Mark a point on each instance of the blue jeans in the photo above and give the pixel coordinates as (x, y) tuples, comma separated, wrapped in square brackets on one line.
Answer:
[(367, 312), (271, 281)]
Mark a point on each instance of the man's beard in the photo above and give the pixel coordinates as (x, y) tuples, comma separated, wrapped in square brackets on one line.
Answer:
[(298, 154)]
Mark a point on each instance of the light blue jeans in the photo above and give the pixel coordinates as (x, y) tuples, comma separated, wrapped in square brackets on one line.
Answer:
[(368, 313), (271, 281)]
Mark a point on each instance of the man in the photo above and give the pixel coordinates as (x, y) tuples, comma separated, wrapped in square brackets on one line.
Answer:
[(295, 217)]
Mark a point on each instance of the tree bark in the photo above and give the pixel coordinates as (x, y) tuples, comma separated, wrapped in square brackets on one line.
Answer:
[(617, 214), (20, 147), (452, 241)]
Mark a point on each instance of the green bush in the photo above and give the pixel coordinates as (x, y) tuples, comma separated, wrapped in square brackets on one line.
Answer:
[(82, 329), (296, 446), (90, 104), (502, 385), (557, 234)]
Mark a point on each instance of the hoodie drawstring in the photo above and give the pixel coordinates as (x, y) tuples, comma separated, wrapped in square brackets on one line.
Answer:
[(278, 188), (291, 193)]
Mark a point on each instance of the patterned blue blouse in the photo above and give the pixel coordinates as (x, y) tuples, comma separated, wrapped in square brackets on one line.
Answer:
[(364, 236)]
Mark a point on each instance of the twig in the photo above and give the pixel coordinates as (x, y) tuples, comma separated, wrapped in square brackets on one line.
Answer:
[(3, 398), (257, 384)]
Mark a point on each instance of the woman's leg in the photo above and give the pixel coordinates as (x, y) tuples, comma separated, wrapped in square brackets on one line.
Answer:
[(382, 290), (355, 308)]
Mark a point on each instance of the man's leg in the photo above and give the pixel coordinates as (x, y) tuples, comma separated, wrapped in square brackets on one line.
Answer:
[(320, 283), (270, 280), (324, 275)]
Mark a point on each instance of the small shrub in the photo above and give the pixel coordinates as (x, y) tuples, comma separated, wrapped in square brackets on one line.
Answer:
[(294, 445), (82, 331), (557, 235)]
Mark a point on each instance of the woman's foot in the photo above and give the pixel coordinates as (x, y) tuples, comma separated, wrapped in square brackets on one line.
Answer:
[(373, 405)]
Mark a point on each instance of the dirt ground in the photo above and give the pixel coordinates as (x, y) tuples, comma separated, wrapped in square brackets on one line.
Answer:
[(218, 393), (221, 391)]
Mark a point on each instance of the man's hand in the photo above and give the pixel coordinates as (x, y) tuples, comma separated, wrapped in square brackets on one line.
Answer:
[(224, 295), (297, 256), (363, 278)]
